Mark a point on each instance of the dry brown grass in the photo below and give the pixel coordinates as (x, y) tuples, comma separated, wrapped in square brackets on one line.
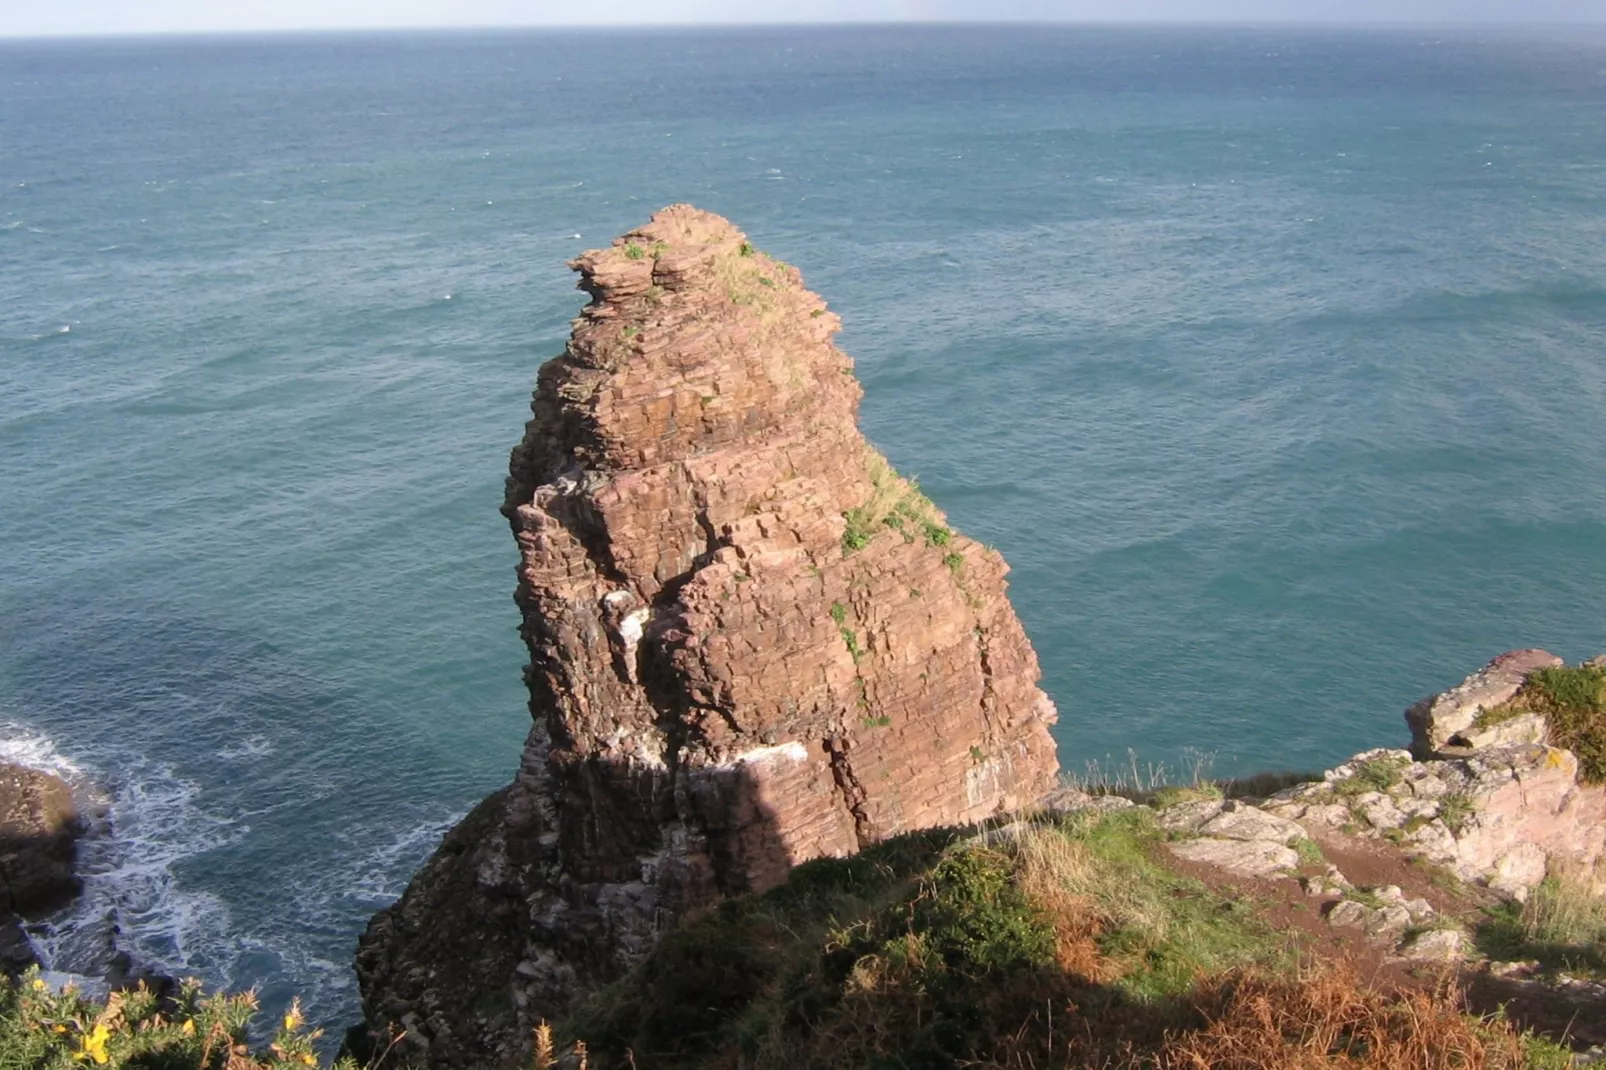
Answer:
[(1332, 1022), (1061, 876)]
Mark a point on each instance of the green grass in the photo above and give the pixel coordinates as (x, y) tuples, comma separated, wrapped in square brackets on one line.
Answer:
[(928, 951), (1309, 851), (1366, 897), (1166, 929), (1573, 702), (1561, 925), (1175, 794), (1546, 1054), (1496, 715), (895, 505), (1456, 810), (1379, 774)]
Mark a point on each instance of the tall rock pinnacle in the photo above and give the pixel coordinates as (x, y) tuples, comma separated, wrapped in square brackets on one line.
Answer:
[(751, 644)]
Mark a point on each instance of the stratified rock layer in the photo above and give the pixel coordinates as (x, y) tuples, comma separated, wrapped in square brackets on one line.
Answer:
[(751, 644)]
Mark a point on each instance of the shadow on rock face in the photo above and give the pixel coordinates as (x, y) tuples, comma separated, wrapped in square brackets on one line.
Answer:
[(515, 920)]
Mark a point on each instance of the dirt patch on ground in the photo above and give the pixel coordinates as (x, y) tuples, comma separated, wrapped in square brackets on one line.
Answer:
[(1374, 863), (1283, 905)]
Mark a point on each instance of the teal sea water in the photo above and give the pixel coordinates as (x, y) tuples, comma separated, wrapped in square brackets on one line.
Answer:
[(1274, 362)]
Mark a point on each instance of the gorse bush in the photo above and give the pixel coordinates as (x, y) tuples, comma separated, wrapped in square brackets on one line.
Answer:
[(45, 1029)]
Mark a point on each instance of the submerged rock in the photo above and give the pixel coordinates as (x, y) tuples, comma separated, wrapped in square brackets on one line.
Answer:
[(752, 643)]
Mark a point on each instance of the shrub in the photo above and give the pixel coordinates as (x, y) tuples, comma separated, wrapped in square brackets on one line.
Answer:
[(45, 1029)]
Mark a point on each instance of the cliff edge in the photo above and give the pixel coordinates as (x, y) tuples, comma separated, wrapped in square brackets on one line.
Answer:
[(751, 644)]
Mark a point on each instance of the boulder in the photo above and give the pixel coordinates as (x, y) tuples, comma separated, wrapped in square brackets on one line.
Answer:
[(39, 828), (1449, 721), (1241, 821), (1074, 801), (1436, 945), (1245, 858)]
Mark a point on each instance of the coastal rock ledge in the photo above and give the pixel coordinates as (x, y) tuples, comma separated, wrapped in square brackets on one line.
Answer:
[(751, 644)]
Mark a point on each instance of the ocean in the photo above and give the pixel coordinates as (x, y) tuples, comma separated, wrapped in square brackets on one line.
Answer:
[(1273, 360)]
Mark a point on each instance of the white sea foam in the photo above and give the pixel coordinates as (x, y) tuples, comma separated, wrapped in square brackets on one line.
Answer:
[(246, 750), (382, 872), (141, 826), (21, 744)]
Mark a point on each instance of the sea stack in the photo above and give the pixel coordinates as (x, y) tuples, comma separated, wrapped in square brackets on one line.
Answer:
[(752, 643)]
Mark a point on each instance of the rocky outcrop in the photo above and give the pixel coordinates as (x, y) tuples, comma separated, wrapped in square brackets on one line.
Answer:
[(1502, 816), (1469, 715), (1490, 800), (1498, 806), (39, 828), (1234, 836), (752, 643)]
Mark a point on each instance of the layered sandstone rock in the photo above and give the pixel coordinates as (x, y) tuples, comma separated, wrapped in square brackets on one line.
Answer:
[(752, 643)]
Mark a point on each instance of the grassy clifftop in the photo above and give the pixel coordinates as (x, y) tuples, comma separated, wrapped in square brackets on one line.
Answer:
[(1070, 942), (1060, 943)]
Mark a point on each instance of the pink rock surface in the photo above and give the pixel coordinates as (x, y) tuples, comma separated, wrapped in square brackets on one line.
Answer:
[(721, 685)]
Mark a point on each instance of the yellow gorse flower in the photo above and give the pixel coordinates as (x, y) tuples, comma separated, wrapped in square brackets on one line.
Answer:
[(188, 1028), (93, 1044), (309, 1059), (293, 1018), (39, 984)]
